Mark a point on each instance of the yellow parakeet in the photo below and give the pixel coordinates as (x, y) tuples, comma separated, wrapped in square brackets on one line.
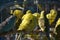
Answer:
[(41, 21), (57, 30), (18, 13), (28, 23), (51, 16), (57, 24)]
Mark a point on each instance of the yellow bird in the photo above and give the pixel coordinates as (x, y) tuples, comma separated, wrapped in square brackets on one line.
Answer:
[(28, 23), (57, 24), (41, 21), (51, 16), (18, 13)]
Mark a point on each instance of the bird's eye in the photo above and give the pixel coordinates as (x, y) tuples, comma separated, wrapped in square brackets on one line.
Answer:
[(30, 20)]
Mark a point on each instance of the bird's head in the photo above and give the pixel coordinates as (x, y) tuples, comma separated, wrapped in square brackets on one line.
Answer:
[(18, 13)]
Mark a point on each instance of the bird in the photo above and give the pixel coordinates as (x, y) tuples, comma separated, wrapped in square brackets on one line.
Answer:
[(57, 30), (51, 16), (41, 21), (28, 23), (56, 26), (18, 13)]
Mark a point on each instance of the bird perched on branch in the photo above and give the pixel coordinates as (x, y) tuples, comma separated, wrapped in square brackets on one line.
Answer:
[(18, 14), (57, 30), (51, 16), (28, 23)]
